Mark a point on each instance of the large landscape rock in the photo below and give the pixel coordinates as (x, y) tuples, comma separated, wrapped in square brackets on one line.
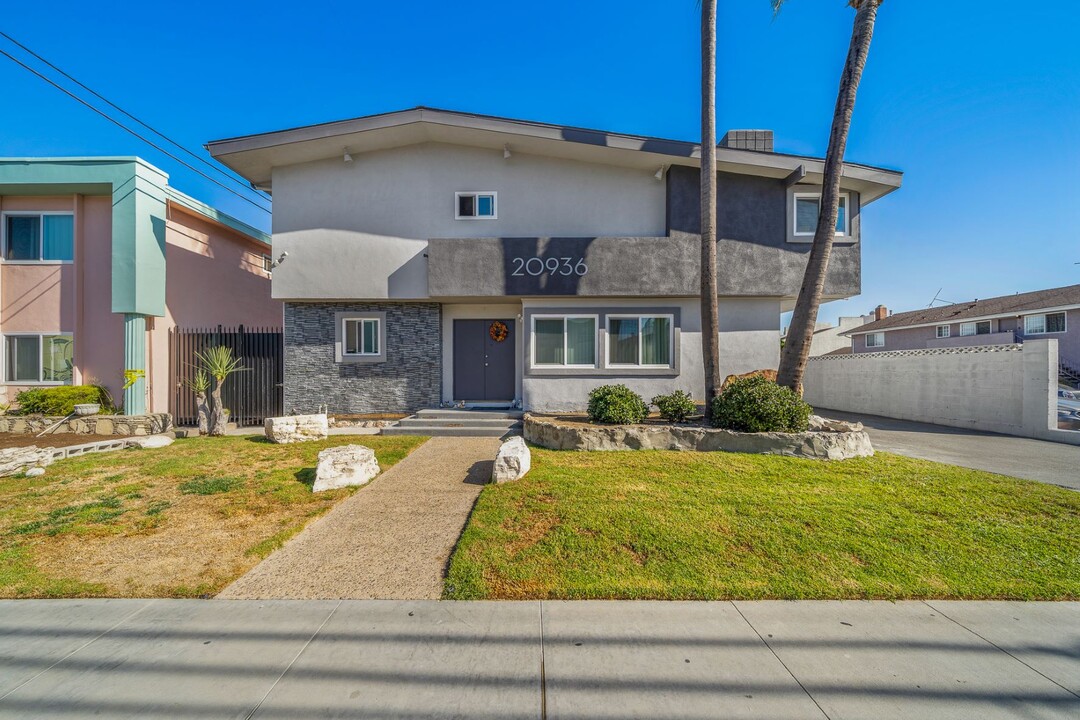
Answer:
[(297, 428), (151, 441), (822, 424), (17, 459), (556, 435), (343, 466), (512, 461)]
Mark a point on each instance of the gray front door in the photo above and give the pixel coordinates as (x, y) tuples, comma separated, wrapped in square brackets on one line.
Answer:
[(483, 365)]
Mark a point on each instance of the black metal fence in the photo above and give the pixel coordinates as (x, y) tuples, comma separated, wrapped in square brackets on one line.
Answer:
[(251, 395)]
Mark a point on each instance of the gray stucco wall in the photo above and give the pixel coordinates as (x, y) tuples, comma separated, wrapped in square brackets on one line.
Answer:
[(409, 379), (753, 215)]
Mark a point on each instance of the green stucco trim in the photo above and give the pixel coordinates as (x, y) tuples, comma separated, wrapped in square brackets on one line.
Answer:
[(135, 359)]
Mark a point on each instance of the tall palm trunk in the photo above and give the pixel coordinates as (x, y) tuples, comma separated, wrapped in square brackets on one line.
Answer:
[(796, 351), (710, 330)]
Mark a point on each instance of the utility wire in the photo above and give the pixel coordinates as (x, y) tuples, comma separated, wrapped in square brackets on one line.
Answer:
[(116, 122)]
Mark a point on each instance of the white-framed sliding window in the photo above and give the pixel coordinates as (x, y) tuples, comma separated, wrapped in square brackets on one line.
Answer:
[(975, 328), (646, 341), (807, 207), (38, 359), (564, 341), (363, 337), (875, 340), (37, 237), (944, 331), (1045, 323), (476, 205)]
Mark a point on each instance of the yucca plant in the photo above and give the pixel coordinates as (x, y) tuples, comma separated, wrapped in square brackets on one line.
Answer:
[(217, 363)]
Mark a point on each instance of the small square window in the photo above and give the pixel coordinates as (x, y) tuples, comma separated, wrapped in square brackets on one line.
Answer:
[(362, 337), (875, 340), (476, 206), (268, 263), (807, 208), (943, 331)]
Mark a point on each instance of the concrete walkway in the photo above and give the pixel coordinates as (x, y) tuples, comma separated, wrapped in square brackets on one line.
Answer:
[(1026, 458), (151, 659), (391, 540)]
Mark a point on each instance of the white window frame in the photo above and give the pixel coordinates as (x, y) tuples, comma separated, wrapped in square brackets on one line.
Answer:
[(360, 337), (41, 356), (1044, 331), (41, 238), (268, 263), (476, 194), (947, 333), (844, 197), (564, 317), (640, 316), (875, 335), (975, 328)]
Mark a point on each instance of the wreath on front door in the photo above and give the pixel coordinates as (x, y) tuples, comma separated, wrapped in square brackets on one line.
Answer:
[(498, 331)]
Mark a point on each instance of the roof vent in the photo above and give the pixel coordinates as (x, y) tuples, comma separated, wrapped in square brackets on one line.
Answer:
[(761, 140)]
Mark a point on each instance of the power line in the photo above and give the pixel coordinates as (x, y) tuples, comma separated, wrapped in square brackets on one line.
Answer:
[(116, 122)]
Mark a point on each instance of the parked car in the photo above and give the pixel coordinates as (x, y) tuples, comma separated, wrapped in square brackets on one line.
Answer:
[(1068, 409)]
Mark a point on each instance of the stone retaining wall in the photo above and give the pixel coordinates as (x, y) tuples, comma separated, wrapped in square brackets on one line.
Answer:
[(550, 433), (88, 425)]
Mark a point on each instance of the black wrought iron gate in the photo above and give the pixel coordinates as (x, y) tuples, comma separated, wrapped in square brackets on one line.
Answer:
[(251, 395)]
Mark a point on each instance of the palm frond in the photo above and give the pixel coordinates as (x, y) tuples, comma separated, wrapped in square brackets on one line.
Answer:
[(219, 362)]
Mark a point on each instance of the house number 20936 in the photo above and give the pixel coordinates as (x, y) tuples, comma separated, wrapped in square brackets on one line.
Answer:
[(534, 266)]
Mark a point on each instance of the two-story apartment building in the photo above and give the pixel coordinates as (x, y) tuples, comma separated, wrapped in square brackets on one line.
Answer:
[(99, 258), (439, 257)]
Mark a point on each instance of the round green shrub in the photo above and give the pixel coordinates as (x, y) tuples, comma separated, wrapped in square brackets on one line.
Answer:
[(616, 404), (675, 407), (757, 404), (56, 401)]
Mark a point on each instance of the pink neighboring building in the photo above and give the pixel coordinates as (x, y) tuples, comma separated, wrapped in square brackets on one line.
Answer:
[(100, 259)]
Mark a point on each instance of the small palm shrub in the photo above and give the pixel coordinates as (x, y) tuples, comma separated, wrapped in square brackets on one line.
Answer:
[(675, 407), (757, 404), (616, 404)]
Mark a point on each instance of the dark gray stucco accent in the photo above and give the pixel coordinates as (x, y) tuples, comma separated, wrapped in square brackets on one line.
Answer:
[(617, 266), (755, 257), (410, 379), (601, 342)]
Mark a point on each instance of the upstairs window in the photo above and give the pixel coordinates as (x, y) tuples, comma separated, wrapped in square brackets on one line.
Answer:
[(362, 337), (807, 209), (1042, 324), (639, 341), (39, 237), (875, 340), (975, 328), (943, 331), (476, 206)]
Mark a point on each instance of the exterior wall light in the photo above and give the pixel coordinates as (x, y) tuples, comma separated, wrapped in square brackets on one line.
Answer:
[(506, 152), (347, 157), (660, 172)]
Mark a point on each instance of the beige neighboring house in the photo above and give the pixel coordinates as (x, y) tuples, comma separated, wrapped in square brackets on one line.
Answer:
[(830, 339)]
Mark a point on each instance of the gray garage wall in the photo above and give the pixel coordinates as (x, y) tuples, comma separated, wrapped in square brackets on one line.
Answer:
[(1006, 388)]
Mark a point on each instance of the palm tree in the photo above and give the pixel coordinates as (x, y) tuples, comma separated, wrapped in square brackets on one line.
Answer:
[(796, 350), (219, 364), (710, 329)]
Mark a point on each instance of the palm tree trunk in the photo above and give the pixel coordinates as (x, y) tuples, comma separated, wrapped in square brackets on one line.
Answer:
[(796, 351), (710, 331)]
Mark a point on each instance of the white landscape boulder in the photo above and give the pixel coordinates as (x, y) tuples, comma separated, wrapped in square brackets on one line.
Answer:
[(151, 441), (512, 461), (297, 428), (823, 424), (16, 459), (343, 466)]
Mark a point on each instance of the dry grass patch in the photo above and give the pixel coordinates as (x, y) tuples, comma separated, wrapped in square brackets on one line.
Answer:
[(181, 521)]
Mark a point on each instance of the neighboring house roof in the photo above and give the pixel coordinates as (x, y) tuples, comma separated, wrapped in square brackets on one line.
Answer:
[(838, 351), (1005, 306), (254, 156), (217, 216)]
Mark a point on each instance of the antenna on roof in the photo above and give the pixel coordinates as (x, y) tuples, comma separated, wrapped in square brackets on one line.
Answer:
[(937, 299)]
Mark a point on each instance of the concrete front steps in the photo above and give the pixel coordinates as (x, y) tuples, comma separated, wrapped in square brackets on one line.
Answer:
[(456, 422)]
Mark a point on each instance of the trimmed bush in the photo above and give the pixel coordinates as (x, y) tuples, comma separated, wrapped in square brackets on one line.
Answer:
[(616, 404), (757, 404), (675, 407), (60, 400)]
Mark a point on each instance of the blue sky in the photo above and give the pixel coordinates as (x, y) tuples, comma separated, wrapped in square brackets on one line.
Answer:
[(979, 106)]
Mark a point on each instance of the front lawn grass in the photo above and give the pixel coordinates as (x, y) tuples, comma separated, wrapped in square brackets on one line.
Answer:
[(181, 521), (685, 525)]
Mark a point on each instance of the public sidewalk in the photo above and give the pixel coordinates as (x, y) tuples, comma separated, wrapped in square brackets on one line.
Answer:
[(496, 660)]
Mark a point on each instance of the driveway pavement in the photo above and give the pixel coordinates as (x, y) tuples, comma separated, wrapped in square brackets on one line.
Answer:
[(1027, 458), (428, 659)]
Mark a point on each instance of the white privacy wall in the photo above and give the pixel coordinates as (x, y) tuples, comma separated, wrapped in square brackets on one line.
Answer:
[(1008, 389)]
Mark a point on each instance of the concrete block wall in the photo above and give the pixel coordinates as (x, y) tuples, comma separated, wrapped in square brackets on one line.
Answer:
[(1009, 389), (408, 380)]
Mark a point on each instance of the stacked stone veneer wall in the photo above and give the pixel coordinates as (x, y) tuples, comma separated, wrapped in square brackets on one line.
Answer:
[(88, 425), (1007, 389), (410, 378)]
